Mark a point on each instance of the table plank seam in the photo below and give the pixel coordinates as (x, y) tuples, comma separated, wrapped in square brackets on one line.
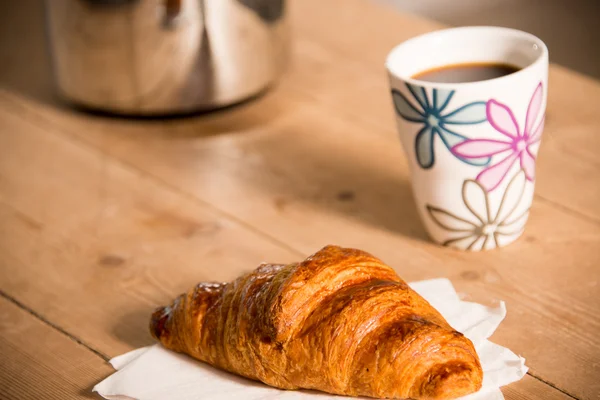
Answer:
[(52, 325), (127, 227), (157, 179), (106, 358), (568, 210), (23, 217), (552, 385), (367, 124), (75, 139)]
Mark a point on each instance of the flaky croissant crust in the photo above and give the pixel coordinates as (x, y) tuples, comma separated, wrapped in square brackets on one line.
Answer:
[(341, 321)]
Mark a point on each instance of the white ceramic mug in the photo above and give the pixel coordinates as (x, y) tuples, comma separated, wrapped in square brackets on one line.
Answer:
[(471, 147)]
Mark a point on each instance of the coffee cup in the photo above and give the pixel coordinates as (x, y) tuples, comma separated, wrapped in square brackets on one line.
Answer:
[(471, 141)]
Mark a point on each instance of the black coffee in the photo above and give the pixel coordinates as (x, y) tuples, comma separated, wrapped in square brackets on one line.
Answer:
[(471, 72)]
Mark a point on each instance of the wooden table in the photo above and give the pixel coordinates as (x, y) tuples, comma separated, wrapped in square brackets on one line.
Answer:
[(102, 219)]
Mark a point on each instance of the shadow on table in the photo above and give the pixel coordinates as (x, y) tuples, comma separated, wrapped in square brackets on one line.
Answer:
[(298, 167), (89, 394), (132, 328), (271, 150), (25, 66)]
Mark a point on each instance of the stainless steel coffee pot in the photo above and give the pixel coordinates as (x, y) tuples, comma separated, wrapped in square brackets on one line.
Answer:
[(157, 57)]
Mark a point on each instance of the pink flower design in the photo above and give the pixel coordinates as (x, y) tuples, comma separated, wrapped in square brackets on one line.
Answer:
[(516, 145)]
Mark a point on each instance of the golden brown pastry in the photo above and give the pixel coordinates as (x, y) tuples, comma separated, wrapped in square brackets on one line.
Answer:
[(341, 322)]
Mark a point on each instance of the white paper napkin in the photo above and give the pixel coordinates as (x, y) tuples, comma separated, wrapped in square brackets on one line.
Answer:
[(154, 373)]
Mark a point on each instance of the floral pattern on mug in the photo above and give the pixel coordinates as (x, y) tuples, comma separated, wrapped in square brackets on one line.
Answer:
[(484, 226), (517, 146), (432, 114)]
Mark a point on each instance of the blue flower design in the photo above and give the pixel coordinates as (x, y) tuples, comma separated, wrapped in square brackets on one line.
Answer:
[(436, 120)]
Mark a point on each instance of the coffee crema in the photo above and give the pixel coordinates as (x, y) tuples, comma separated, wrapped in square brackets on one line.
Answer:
[(467, 72)]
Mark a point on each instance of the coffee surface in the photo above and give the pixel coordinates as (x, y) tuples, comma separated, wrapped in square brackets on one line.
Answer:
[(470, 72)]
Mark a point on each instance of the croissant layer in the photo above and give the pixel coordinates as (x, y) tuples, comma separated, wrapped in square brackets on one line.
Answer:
[(340, 321)]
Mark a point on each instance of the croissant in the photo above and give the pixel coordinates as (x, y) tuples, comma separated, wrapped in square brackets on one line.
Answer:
[(340, 321)]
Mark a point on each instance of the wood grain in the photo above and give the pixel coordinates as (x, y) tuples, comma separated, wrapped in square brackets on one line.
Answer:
[(305, 202), (342, 70), (123, 214), (39, 362), (531, 388), (125, 260), (87, 242), (59, 368)]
